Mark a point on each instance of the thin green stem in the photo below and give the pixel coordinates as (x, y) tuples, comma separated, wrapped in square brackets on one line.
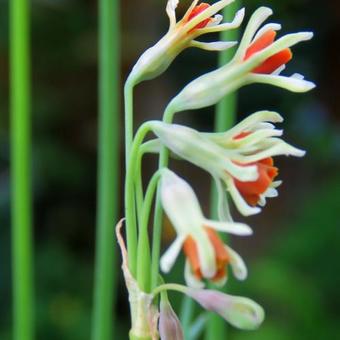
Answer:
[(139, 184), (158, 218), (108, 176), (143, 251), (21, 207), (128, 115), (169, 286), (224, 119), (130, 202)]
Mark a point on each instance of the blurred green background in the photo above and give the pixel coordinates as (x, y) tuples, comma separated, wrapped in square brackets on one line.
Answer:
[(294, 255)]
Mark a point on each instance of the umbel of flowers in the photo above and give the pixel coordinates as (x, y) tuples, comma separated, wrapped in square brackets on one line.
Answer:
[(240, 160)]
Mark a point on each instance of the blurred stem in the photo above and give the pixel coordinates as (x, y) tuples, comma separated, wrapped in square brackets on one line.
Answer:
[(225, 117), (108, 163), (21, 207), (187, 309)]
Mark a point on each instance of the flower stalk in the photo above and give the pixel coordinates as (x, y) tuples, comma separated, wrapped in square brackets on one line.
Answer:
[(240, 159)]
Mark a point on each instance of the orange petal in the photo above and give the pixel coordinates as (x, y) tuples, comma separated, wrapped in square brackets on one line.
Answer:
[(251, 191), (274, 62), (191, 252), (197, 10), (261, 43)]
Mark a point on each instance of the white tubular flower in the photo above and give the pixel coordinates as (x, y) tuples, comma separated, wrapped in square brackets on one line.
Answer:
[(207, 256), (239, 160), (198, 20), (259, 59)]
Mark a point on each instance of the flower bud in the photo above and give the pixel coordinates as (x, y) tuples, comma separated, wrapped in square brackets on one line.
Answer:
[(169, 324), (239, 311)]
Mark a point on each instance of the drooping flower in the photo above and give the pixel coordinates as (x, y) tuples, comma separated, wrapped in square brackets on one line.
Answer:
[(254, 142), (239, 311), (258, 59), (198, 20), (207, 256), (240, 159)]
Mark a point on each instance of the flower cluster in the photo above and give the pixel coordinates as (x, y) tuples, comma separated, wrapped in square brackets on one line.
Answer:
[(240, 160)]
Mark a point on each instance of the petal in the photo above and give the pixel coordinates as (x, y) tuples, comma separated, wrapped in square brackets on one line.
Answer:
[(180, 203), (213, 46), (234, 228), (237, 264), (190, 279), (171, 11), (240, 203), (265, 29), (235, 23), (271, 193), (278, 46), (256, 20), (242, 173), (206, 254), (252, 121), (239, 311), (169, 324), (223, 211), (274, 147), (169, 257), (294, 84), (209, 12), (216, 20)]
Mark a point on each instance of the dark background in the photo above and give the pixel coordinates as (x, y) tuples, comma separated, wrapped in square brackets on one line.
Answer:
[(293, 258)]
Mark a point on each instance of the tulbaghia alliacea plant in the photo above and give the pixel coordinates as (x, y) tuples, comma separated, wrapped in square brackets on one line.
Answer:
[(240, 160)]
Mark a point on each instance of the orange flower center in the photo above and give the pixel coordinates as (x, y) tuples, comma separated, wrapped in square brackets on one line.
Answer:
[(221, 255), (197, 10), (251, 191), (274, 62)]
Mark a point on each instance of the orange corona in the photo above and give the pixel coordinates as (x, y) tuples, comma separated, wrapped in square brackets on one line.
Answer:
[(221, 255), (274, 62)]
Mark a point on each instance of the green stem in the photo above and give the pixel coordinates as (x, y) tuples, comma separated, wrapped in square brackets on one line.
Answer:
[(143, 251), (108, 177), (130, 202), (224, 119), (139, 184), (187, 309), (21, 207), (128, 115), (158, 218)]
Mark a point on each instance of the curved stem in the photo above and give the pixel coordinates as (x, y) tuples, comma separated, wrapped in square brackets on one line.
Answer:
[(128, 106), (170, 286), (143, 251), (157, 226), (130, 209)]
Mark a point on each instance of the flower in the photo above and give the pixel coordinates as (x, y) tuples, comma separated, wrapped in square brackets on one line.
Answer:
[(258, 59), (253, 142), (198, 20), (169, 324), (240, 159), (207, 256), (239, 311)]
